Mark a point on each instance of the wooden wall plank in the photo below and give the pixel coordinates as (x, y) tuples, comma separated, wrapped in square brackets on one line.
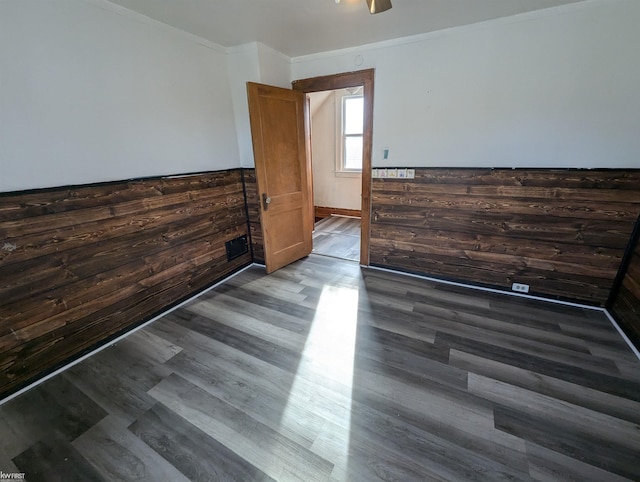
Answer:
[(391, 236), (25, 246), (571, 178), (82, 264), (79, 263), (509, 206), (253, 212), (563, 232), (601, 233)]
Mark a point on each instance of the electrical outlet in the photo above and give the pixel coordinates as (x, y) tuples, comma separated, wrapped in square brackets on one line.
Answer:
[(520, 288)]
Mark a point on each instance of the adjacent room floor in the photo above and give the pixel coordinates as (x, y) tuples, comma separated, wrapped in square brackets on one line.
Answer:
[(326, 371), (338, 236)]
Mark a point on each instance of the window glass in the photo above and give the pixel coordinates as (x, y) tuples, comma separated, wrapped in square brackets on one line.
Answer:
[(353, 115), (352, 129), (353, 152)]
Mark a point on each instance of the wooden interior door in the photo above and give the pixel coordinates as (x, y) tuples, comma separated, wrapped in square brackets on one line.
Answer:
[(283, 169)]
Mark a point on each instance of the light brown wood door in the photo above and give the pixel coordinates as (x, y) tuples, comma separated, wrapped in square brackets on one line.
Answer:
[(282, 171)]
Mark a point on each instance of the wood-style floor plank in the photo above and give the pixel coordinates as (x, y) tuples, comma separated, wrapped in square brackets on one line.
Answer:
[(573, 393), (117, 454), (324, 371), (269, 451), (56, 460), (610, 384), (337, 236), (199, 457), (548, 466), (569, 439)]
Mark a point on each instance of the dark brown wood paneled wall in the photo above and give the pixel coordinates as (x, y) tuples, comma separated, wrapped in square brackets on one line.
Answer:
[(563, 232), (80, 265), (624, 303), (253, 211)]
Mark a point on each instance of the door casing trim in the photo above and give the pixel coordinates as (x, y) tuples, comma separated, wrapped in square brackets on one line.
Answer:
[(364, 78)]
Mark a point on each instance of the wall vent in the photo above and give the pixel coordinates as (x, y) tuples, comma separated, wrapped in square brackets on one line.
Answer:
[(236, 247)]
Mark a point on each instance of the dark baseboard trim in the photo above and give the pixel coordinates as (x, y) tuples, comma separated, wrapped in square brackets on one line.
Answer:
[(322, 212)]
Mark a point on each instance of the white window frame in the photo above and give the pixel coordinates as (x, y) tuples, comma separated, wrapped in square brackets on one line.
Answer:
[(341, 170)]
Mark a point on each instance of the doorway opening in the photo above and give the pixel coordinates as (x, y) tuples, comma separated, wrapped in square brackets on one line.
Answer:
[(337, 128), (359, 83)]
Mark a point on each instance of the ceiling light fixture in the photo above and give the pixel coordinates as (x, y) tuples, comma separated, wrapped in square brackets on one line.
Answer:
[(377, 6)]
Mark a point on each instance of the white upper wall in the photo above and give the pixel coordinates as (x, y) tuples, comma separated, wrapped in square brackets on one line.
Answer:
[(275, 67), (555, 88), (243, 63), (89, 93), (253, 62)]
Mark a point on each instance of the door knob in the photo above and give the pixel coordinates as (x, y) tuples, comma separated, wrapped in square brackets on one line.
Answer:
[(266, 200)]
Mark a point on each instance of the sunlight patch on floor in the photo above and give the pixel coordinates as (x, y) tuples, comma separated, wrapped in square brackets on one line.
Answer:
[(330, 343), (328, 358)]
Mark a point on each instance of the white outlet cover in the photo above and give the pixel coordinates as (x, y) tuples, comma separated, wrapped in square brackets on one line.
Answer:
[(520, 287)]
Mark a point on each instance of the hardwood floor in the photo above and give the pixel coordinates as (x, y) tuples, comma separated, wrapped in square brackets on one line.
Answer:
[(337, 236), (324, 371)]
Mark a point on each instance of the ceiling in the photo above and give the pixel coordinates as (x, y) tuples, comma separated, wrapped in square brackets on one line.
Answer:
[(301, 27)]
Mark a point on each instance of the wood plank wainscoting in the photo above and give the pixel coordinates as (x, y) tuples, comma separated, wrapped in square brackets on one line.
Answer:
[(253, 212), (563, 232), (624, 303), (79, 265)]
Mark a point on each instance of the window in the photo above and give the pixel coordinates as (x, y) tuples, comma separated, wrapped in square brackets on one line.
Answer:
[(352, 128)]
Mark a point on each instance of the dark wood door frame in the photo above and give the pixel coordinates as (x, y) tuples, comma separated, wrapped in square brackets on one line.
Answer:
[(362, 78)]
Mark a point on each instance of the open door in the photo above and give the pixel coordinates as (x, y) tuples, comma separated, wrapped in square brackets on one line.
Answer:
[(283, 172)]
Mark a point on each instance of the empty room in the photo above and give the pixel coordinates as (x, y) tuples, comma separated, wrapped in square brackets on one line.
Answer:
[(319, 240)]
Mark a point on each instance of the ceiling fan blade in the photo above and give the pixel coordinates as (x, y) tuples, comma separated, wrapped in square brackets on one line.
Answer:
[(377, 6)]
